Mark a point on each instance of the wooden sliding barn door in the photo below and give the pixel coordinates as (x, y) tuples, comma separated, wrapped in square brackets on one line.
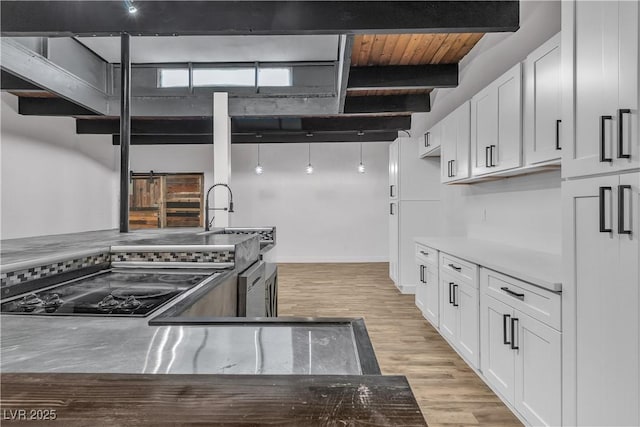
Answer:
[(162, 200)]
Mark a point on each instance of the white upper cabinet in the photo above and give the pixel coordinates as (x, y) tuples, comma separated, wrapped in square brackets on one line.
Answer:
[(455, 143), (543, 96), (600, 86), (393, 169), (429, 145), (496, 125)]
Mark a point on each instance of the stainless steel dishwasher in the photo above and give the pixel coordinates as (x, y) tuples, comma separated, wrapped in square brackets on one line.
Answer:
[(251, 291)]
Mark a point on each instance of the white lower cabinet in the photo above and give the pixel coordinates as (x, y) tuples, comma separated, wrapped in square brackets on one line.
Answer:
[(459, 316), (521, 355), (427, 289)]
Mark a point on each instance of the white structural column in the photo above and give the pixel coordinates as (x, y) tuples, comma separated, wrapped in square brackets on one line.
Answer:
[(221, 158)]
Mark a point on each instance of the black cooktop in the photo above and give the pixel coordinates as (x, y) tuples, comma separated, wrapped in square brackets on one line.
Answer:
[(107, 293)]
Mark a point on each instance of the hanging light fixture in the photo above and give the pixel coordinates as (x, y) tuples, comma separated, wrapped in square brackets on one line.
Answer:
[(130, 6), (361, 165), (259, 168), (309, 168)]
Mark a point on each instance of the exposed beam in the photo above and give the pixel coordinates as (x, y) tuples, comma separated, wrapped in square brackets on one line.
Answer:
[(166, 139), (33, 68), (345, 66), (50, 107), (403, 77), (268, 138), (187, 17), (203, 126), (386, 104), (125, 128), (10, 82)]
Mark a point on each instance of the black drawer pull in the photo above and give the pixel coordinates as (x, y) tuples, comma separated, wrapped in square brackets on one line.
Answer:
[(422, 274), (513, 333), (621, 154), (505, 339), (450, 293), (486, 157), (621, 209), (491, 156), (455, 300), (513, 294), (603, 157), (424, 253), (427, 139), (453, 173), (601, 206), (456, 268), (558, 147)]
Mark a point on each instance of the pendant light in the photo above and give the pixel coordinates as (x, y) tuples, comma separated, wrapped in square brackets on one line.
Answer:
[(361, 165), (259, 169), (309, 168)]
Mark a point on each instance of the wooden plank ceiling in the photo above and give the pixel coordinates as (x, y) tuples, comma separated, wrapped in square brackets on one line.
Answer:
[(409, 49)]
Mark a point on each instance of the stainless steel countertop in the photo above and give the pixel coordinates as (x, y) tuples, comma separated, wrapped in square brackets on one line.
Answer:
[(127, 345)]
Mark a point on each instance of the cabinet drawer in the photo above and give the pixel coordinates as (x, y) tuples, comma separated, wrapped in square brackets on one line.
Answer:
[(427, 254), (460, 269), (538, 303)]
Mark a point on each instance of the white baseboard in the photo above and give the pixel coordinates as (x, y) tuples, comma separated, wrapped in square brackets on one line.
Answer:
[(328, 260), (406, 289)]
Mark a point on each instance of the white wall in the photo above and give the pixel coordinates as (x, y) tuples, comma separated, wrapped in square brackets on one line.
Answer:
[(335, 214), (54, 181), (521, 211), (173, 159)]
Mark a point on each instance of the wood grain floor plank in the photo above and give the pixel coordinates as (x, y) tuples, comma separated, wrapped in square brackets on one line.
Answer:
[(448, 391)]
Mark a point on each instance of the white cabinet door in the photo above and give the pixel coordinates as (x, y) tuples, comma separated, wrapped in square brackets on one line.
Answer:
[(496, 124), (542, 103), (466, 298), (421, 286), (431, 142), (448, 312), (484, 129), (600, 60), (432, 297), (498, 359), (600, 303), (455, 133), (394, 230), (538, 373), (393, 169)]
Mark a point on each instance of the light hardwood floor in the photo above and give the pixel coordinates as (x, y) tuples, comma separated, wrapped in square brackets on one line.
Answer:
[(448, 391)]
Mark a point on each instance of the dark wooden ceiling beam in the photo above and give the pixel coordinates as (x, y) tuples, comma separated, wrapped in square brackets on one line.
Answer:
[(204, 126), (387, 104), (51, 107), (267, 138), (187, 17), (403, 77)]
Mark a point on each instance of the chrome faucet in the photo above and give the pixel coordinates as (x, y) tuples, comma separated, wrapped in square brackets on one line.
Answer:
[(207, 209)]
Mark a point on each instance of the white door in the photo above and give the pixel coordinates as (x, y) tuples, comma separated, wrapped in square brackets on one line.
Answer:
[(507, 154), (468, 329), (590, 38), (448, 312), (421, 287), (600, 307), (498, 359), (538, 373), (484, 129), (394, 242), (542, 103), (432, 298)]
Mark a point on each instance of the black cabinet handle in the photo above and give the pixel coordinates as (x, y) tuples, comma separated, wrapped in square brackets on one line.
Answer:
[(453, 162), (621, 154), (512, 293), (513, 330), (621, 209), (391, 190), (456, 268), (491, 156), (427, 139), (424, 253), (601, 204), (450, 293), (455, 300), (603, 157), (449, 169), (422, 274), (486, 157), (505, 339), (558, 147), (391, 211)]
